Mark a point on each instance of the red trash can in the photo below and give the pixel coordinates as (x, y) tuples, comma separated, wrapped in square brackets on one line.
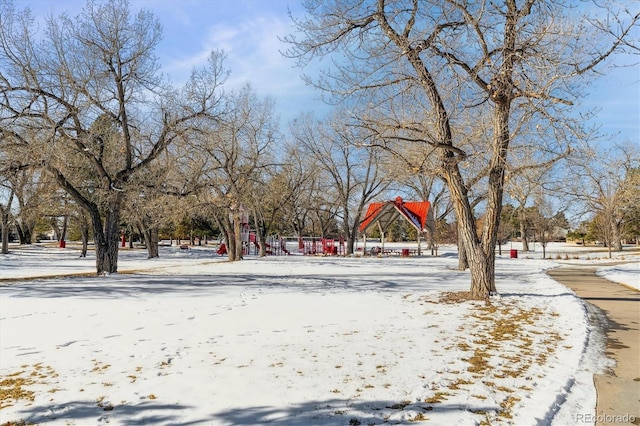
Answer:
[(405, 252), (62, 244), (514, 254)]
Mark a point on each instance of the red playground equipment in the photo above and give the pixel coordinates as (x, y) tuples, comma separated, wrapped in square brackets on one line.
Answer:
[(322, 246), (222, 250), (275, 245)]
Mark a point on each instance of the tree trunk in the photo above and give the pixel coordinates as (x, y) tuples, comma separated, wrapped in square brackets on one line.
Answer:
[(350, 244), (24, 234), (230, 239), (523, 231), (481, 261), (463, 260), (261, 236), (237, 232), (224, 223), (143, 239), (482, 268), (151, 237), (63, 231), (107, 237), (53, 222), (616, 239), (5, 233), (352, 235), (60, 231), (5, 223), (83, 224)]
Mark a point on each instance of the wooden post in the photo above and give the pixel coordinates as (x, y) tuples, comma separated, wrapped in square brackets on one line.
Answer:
[(381, 237)]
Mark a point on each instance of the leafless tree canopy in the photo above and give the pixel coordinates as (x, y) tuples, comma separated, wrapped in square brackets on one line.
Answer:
[(85, 100), (426, 71)]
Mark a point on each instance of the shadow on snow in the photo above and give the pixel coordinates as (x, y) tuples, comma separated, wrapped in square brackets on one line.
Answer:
[(327, 412), (135, 285)]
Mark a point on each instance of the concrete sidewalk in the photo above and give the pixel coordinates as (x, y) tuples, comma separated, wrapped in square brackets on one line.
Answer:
[(618, 400)]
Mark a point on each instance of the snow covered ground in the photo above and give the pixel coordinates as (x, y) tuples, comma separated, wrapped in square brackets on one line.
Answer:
[(192, 339), (627, 274)]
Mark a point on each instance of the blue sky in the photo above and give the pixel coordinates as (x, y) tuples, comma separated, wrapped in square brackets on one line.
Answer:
[(248, 30)]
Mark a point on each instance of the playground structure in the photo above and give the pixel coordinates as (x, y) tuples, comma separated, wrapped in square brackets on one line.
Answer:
[(275, 244), (384, 214), (322, 246), (381, 214)]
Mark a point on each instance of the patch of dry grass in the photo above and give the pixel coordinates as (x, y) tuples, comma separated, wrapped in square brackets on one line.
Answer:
[(14, 387), (498, 328)]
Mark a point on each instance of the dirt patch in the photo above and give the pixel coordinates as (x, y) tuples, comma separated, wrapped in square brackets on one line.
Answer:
[(455, 297)]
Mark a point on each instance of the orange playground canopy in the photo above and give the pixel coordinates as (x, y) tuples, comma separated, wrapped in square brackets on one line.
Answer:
[(417, 213)]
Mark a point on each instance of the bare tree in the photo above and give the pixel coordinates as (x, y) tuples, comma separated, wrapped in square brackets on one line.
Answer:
[(607, 183), (151, 203), (299, 183), (631, 202), (233, 154), (272, 197), (352, 172), (506, 62), (90, 90), (525, 183), (548, 220)]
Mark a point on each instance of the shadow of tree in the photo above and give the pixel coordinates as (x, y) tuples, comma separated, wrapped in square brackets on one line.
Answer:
[(135, 285), (309, 413), (347, 412), (89, 412)]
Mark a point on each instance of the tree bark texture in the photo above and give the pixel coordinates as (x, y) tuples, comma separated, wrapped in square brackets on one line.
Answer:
[(24, 233), (237, 232), (107, 236), (5, 233), (523, 231), (83, 227), (463, 261)]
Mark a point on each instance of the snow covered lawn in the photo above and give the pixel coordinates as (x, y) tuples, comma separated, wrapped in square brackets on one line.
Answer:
[(289, 341), (627, 274)]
